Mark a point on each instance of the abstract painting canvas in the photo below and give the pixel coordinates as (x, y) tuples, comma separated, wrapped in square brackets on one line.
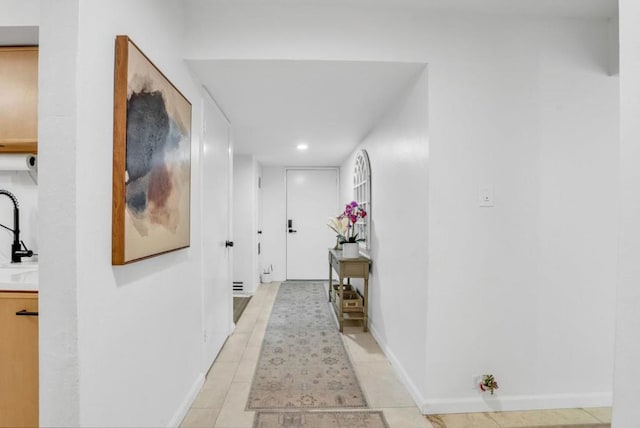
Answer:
[(151, 159)]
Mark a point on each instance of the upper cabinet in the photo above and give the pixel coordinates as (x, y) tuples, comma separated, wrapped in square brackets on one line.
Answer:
[(19, 99)]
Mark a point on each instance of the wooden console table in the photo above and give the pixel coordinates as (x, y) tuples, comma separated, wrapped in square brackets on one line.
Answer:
[(349, 268)]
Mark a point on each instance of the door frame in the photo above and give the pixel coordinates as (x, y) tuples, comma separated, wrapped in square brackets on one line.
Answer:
[(286, 206)]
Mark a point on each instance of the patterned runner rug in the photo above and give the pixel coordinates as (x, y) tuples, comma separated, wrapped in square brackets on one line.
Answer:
[(303, 363), (366, 419)]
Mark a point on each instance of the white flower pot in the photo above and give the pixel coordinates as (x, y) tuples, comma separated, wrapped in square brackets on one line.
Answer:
[(350, 250), (265, 278)]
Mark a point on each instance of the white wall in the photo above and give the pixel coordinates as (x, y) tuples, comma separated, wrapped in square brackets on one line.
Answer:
[(524, 105), (19, 13), (274, 221), (518, 284), (245, 252), (59, 369), (626, 412), (399, 154), (120, 346)]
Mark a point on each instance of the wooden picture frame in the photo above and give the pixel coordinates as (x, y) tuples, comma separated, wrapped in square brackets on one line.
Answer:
[(151, 159)]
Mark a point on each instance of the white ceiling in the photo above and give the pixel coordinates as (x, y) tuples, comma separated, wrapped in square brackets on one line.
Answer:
[(275, 104), (561, 8), (558, 8)]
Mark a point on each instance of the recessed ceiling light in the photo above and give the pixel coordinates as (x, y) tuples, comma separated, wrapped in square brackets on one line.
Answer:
[(302, 146)]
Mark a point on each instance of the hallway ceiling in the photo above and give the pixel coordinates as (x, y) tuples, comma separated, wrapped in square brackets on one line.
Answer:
[(566, 8), (274, 105), (331, 105), (549, 8)]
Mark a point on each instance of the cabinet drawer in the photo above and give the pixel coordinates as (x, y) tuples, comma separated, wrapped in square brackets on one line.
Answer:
[(355, 270), (18, 360)]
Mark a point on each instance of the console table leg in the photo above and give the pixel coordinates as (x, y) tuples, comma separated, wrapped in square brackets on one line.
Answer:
[(365, 320), (330, 280), (340, 311)]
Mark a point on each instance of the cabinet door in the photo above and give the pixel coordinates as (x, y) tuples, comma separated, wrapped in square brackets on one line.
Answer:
[(18, 360), (19, 99)]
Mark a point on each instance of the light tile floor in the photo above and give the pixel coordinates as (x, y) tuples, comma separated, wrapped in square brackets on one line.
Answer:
[(222, 400), (533, 418)]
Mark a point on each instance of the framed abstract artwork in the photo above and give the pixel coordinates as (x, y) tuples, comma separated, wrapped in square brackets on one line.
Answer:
[(151, 159)]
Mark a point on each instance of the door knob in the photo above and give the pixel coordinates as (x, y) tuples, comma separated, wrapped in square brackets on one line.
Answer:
[(228, 244), (290, 226)]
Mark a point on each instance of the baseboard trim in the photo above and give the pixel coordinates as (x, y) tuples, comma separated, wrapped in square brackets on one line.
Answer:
[(186, 403), (489, 403), (398, 368), (499, 403)]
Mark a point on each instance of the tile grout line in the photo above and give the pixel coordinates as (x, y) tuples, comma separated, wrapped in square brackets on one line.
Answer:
[(494, 421), (441, 423), (367, 398), (596, 417), (226, 397), (228, 389)]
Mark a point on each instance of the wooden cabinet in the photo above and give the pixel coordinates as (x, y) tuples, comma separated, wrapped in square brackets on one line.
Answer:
[(18, 359), (18, 99), (349, 268)]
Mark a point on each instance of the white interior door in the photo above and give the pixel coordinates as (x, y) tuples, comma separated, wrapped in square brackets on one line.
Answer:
[(217, 298), (259, 215), (312, 197)]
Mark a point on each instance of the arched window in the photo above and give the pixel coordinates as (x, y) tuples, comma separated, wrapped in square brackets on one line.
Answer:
[(362, 195)]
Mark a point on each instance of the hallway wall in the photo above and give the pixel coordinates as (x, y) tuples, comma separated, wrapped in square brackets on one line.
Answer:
[(120, 346), (398, 150), (245, 206), (522, 104), (626, 412), (525, 289), (274, 212)]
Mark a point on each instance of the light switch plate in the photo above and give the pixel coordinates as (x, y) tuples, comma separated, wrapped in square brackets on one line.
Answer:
[(485, 196)]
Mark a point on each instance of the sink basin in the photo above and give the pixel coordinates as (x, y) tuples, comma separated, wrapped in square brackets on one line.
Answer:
[(19, 276), (22, 265)]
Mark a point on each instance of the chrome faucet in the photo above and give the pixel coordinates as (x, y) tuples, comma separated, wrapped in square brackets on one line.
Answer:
[(17, 251)]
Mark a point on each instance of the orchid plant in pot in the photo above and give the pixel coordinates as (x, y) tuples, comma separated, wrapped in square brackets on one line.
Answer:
[(347, 234)]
